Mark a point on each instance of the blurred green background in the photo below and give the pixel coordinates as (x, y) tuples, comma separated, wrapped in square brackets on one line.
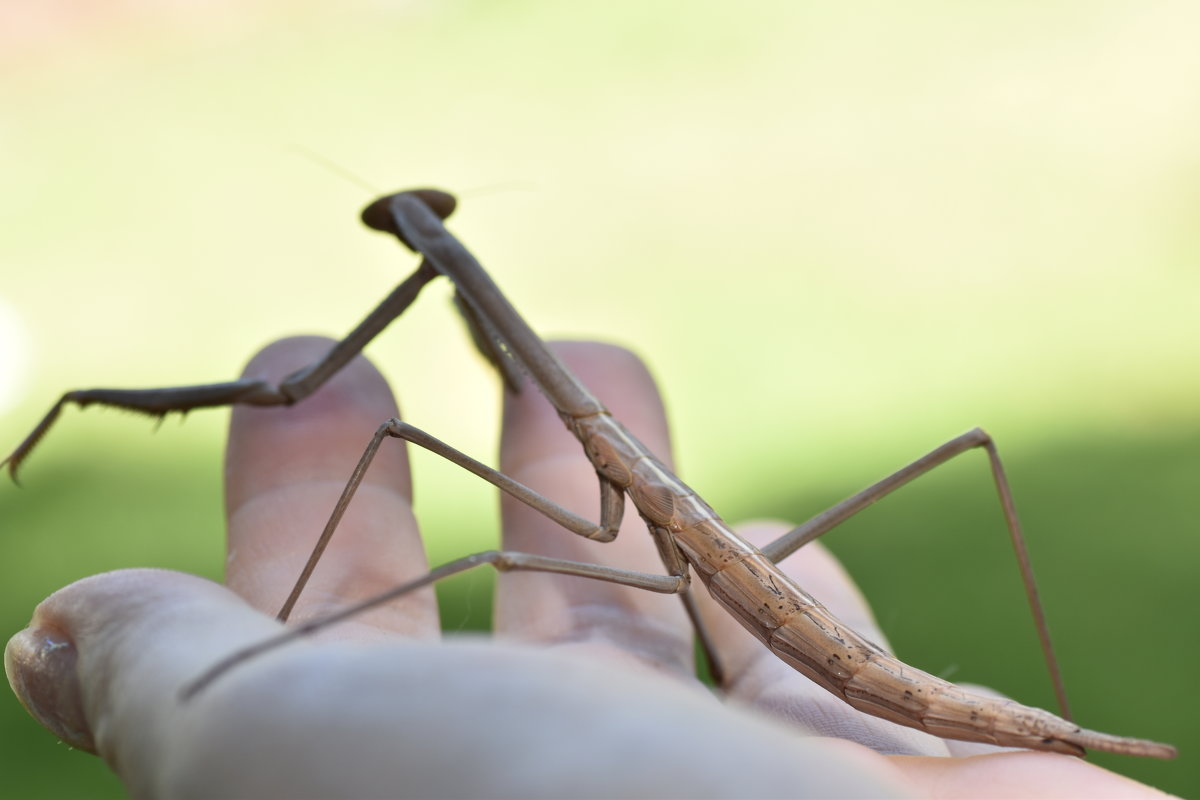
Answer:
[(840, 234)]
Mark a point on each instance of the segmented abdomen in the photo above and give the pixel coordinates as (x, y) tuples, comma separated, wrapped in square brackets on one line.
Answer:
[(803, 633)]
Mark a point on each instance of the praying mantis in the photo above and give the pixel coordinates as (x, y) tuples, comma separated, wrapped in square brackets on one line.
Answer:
[(690, 537)]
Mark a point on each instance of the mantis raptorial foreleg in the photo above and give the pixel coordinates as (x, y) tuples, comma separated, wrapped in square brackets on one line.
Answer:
[(247, 391), (292, 389), (829, 519)]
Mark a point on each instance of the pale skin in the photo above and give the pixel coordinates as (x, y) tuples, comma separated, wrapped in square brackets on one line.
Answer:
[(585, 691)]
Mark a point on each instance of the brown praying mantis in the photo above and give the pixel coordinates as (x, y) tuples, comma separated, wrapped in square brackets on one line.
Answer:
[(689, 535)]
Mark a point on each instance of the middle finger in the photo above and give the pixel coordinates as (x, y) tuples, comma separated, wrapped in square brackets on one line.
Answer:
[(538, 451)]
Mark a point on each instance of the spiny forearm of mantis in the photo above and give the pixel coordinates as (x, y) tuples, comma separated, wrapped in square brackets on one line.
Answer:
[(690, 536)]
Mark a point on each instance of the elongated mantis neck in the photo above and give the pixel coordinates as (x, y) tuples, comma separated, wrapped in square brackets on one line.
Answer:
[(416, 219)]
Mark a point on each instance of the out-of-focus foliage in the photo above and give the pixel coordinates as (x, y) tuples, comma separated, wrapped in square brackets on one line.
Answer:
[(839, 234)]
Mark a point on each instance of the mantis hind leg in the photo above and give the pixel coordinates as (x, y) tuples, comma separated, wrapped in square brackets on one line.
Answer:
[(824, 522)]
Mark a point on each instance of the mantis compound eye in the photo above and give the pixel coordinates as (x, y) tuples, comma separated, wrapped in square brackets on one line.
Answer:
[(378, 215)]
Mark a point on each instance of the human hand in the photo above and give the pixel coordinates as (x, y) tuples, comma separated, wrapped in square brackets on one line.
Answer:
[(586, 690)]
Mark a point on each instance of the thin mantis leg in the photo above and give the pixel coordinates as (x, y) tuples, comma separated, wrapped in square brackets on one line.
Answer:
[(612, 504), (303, 382), (488, 342), (675, 564), (501, 560), (292, 389), (821, 524), (611, 507)]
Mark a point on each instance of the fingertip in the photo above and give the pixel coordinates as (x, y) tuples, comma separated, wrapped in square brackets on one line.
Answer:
[(270, 447), (40, 664), (111, 647)]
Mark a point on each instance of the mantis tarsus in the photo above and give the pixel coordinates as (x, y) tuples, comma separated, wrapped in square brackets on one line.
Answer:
[(688, 533)]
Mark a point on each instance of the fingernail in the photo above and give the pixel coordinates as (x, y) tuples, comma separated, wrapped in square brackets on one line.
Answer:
[(41, 667)]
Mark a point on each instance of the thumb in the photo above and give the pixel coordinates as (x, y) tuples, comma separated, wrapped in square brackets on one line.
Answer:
[(103, 660)]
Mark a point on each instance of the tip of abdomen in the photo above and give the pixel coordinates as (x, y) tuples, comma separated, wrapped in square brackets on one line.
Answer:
[(1106, 742)]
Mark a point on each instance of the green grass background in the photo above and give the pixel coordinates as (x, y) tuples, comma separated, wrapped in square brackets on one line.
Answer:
[(839, 234)]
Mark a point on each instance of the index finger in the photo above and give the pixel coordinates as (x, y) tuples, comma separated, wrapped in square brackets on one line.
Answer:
[(284, 471)]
